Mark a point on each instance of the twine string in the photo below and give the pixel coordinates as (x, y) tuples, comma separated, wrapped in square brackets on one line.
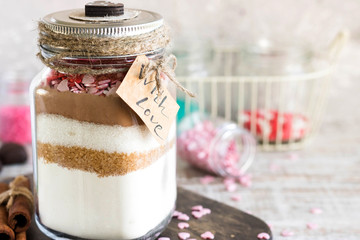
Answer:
[(166, 66), (9, 196), (90, 47)]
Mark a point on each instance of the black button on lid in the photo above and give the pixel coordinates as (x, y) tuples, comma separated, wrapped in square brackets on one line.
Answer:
[(103, 8)]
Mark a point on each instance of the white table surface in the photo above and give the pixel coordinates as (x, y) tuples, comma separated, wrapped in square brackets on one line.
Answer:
[(325, 175)]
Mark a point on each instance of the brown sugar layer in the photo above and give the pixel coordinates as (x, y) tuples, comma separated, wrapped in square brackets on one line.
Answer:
[(109, 110), (102, 163)]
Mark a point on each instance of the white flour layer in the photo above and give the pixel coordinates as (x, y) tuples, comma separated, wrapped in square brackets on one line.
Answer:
[(81, 204), (58, 130)]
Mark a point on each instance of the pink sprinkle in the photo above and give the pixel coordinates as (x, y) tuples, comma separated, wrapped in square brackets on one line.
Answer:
[(176, 213), (78, 86), (164, 238), (183, 217), (207, 235), (207, 179), (183, 225), (316, 210), (88, 79), (197, 214), (287, 233), (104, 82), (231, 187), (183, 235), (92, 90), (63, 86), (197, 208), (205, 211), (263, 235), (245, 180), (312, 226), (228, 181), (270, 226), (102, 86), (236, 197)]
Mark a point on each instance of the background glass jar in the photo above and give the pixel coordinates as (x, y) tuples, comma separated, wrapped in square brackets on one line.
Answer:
[(99, 172), (215, 145), (14, 108)]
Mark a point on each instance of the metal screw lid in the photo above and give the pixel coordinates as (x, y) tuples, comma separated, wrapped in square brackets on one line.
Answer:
[(104, 19)]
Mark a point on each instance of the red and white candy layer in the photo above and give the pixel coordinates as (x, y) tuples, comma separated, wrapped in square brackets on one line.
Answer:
[(105, 85), (293, 126)]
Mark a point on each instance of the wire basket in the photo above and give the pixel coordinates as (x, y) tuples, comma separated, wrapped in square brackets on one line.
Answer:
[(284, 111)]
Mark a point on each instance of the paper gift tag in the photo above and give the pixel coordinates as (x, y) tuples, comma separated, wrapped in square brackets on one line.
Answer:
[(158, 113)]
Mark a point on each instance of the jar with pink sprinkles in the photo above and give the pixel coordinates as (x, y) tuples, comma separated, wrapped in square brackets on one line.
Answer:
[(215, 145)]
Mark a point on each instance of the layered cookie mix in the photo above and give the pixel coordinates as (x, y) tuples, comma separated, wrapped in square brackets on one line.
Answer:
[(91, 146)]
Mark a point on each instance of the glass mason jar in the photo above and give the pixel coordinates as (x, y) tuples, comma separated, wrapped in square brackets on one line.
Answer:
[(14, 108), (215, 145), (99, 173)]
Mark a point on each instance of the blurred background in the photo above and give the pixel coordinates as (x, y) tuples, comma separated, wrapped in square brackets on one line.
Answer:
[(267, 65), (196, 24), (285, 70)]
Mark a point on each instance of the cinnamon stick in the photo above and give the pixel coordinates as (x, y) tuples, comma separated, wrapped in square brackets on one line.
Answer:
[(6, 233), (21, 236), (20, 211)]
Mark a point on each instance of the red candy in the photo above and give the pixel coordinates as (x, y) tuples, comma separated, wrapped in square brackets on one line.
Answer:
[(79, 83), (293, 126)]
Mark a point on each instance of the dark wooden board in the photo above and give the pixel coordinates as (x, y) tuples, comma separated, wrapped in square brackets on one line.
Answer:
[(225, 222)]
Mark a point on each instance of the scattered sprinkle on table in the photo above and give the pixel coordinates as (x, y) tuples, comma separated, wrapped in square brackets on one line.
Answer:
[(236, 197), (207, 235), (263, 236), (316, 210), (183, 225), (183, 235), (287, 233), (183, 217), (312, 226)]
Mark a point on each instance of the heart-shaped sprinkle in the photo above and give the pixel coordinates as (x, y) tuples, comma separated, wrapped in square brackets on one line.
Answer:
[(205, 211), (183, 235), (63, 86), (197, 214), (176, 213), (88, 79), (316, 210), (231, 187), (287, 233), (207, 235), (183, 217), (183, 225), (263, 236), (236, 197), (312, 226)]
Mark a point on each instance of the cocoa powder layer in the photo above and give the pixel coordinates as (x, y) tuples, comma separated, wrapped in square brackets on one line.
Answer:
[(110, 110), (102, 163)]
